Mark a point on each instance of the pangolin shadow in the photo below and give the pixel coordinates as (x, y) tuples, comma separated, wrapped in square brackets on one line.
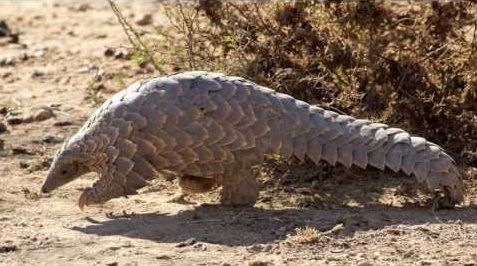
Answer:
[(248, 226)]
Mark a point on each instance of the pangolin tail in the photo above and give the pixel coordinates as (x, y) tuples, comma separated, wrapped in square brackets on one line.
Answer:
[(326, 135)]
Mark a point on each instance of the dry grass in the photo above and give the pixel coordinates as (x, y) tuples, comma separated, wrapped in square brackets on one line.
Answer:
[(307, 235), (310, 235)]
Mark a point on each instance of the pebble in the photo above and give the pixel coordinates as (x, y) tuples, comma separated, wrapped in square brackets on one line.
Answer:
[(8, 248), (54, 105), (188, 242), (38, 73), (48, 139), (108, 51), (122, 54), (62, 123), (14, 120), (200, 246), (40, 52), (43, 114), (7, 61), (6, 32), (146, 19), (259, 248), (21, 150), (4, 29), (83, 7), (24, 165), (163, 257), (3, 128), (3, 110)]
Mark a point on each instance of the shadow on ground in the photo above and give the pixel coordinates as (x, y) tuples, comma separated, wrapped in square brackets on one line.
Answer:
[(248, 226)]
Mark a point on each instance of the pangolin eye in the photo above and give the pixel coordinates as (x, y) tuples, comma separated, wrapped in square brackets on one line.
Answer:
[(64, 172)]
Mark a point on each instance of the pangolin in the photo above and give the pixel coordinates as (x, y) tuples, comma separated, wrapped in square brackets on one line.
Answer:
[(211, 129)]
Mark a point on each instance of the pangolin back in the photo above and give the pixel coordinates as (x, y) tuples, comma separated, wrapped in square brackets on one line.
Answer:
[(195, 124)]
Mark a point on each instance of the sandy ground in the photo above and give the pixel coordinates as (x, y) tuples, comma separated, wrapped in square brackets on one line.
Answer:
[(61, 47)]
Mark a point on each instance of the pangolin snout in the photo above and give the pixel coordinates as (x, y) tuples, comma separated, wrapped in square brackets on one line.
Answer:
[(44, 189)]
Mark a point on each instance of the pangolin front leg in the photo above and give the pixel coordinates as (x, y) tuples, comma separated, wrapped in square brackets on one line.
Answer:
[(192, 184), (112, 184)]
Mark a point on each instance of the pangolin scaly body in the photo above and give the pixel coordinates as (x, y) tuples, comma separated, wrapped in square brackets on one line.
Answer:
[(214, 128)]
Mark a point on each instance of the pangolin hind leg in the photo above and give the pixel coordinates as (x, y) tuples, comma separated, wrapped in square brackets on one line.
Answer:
[(240, 188), (192, 184), (239, 184)]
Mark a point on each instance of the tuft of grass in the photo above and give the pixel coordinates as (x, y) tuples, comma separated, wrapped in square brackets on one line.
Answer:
[(307, 235), (310, 235), (94, 90)]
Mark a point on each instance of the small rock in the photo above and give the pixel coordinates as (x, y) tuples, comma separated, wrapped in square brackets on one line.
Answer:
[(38, 73), (23, 56), (200, 246), (14, 120), (3, 110), (6, 75), (40, 52), (163, 257), (3, 128), (24, 165), (48, 139), (4, 29), (46, 163), (188, 242), (21, 150), (8, 248), (122, 54), (88, 68), (108, 51), (259, 248), (7, 61), (43, 114), (6, 32), (426, 262), (112, 263), (54, 105), (62, 123), (146, 19), (83, 7)]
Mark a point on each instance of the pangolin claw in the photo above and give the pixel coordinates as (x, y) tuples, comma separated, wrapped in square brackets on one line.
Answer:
[(86, 198)]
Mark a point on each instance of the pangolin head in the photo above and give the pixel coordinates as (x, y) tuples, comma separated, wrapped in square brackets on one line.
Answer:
[(68, 164)]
